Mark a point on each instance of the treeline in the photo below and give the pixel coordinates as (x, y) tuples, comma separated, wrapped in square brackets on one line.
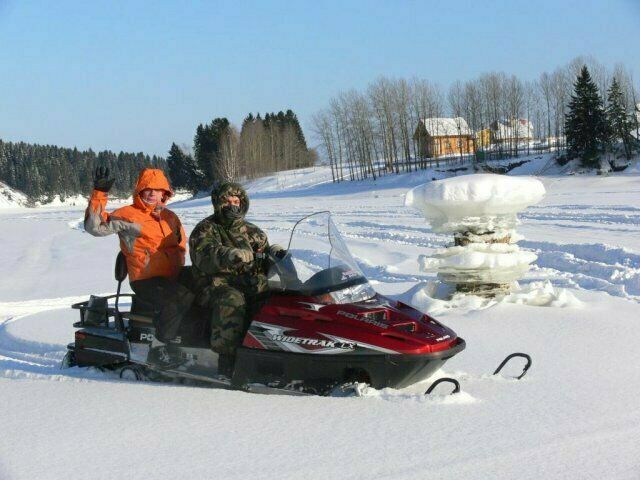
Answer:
[(263, 145), (369, 133), (220, 153), (43, 171)]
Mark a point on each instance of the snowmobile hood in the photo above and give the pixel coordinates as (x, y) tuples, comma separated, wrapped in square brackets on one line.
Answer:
[(154, 179), (228, 189)]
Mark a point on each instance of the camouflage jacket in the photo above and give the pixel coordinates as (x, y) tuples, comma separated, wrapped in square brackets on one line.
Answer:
[(213, 238), (210, 244)]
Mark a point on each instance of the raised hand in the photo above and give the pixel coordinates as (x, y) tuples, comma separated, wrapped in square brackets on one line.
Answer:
[(101, 180)]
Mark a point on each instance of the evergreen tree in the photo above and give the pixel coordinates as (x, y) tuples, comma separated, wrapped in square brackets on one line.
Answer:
[(182, 169), (620, 122), (585, 124), (292, 120), (176, 167), (206, 146)]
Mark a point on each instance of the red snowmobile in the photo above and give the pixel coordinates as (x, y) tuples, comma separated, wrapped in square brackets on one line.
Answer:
[(321, 326)]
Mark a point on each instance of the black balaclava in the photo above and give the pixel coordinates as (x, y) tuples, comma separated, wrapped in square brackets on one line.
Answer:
[(228, 214)]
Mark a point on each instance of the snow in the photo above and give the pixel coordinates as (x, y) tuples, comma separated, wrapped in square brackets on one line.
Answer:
[(446, 127), (481, 211), (70, 201), (575, 414), (520, 129), (485, 200), (485, 263), (11, 198)]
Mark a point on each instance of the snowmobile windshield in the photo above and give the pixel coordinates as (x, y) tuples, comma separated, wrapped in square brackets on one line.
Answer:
[(318, 263)]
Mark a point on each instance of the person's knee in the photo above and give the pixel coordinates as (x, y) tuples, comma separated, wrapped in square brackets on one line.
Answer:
[(231, 303)]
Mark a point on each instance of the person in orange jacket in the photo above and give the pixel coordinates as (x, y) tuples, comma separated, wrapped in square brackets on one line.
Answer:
[(153, 242)]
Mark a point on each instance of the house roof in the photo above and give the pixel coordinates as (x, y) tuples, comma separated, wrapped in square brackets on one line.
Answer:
[(446, 127)]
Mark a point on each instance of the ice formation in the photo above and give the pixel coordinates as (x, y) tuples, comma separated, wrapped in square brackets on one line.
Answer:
[(480, 211)]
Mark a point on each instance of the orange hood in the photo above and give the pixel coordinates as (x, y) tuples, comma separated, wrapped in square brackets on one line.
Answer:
[(154, 179)]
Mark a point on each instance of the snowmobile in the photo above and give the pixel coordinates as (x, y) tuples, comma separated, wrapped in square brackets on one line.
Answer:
[(321, 326)]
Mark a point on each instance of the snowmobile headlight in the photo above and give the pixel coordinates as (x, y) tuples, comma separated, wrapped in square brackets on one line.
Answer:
[(326, 299), (357, 293)]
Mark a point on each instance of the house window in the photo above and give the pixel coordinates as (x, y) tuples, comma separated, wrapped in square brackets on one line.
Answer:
[(459, 142)]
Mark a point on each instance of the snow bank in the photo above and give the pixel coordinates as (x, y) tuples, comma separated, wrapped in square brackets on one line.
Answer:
[(429, 297), (541, 294), (69, 201)]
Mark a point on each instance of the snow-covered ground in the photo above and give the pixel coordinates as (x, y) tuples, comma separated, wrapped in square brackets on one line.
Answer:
[(575, 415)]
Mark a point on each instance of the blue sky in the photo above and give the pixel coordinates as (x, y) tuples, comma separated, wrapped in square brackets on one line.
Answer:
[(138, 75)]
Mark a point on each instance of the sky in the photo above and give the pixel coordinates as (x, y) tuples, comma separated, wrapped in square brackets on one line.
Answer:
[(138, 75)]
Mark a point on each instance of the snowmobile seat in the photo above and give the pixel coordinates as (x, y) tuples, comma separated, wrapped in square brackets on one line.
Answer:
[(121, 271)]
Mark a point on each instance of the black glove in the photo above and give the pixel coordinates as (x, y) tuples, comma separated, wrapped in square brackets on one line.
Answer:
[(101, 180)]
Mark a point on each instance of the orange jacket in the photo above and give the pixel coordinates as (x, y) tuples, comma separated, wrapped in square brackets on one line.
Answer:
[(151, 236)]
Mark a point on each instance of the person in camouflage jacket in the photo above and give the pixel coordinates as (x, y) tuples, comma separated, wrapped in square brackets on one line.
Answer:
[(229, 268)]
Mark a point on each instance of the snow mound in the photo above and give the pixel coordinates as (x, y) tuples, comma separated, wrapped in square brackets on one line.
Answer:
[(473, 201), (541, 294), (11, 198), (436, 298)]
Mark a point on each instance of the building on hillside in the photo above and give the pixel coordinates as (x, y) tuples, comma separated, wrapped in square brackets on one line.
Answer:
[(437, 137), (483, 138), (512, 131)]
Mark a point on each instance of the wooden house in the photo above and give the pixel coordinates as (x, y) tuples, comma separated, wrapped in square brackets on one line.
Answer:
[(437, 137)]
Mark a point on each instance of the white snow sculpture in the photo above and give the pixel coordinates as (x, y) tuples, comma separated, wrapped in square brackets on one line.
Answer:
[(481, 212)]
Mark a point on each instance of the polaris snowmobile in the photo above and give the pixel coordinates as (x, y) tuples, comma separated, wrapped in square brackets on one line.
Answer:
[(321, 326)]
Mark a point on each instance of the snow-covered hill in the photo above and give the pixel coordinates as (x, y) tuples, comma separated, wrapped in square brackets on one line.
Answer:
[(11, 198), (575, 415)]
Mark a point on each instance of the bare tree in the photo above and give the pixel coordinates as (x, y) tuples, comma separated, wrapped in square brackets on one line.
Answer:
[(381, 96), (323, 129), (227, 166)]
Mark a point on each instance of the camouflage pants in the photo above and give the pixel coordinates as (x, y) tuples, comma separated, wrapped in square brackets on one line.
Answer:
[(228, 318), (231, 312)]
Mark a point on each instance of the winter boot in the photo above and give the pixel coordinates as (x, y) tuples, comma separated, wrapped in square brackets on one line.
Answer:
[(225, 365), (164, 356)]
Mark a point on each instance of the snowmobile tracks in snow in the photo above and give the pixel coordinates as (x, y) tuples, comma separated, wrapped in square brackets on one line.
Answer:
[(24, 358)]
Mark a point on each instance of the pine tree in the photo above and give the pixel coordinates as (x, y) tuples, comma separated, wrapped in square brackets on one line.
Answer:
[(176, 166), (206, 145), (182, 169), (620, 122), (585, 124), (292, 120)]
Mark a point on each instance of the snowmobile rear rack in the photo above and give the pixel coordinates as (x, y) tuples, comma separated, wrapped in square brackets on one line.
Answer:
[(513, 355), (95, 312), (453, 381)]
